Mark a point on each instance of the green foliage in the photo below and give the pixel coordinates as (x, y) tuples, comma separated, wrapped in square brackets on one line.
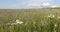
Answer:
[(34, 20)]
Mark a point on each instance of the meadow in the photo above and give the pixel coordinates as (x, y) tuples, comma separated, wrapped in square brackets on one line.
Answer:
[(30, 20)]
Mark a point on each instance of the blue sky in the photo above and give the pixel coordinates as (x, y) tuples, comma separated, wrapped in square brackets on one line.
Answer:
[(18, 4)]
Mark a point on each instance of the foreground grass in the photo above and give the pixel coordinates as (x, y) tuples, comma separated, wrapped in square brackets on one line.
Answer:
[(50, 23)]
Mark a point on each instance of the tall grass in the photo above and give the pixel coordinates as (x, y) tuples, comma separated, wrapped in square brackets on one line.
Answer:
[(42, 24), (34, 22)]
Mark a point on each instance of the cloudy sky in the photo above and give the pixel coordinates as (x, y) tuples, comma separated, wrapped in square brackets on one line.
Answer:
[(21, 4)]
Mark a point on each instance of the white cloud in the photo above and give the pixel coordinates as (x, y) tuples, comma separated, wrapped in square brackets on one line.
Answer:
[(45, 4), (53, 6), (38, 3)]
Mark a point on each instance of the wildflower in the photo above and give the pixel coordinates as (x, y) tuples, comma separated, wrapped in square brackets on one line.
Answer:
[(55, 25), (58, 17), (1, 22), (19, 22), (52, 16), (48, 16), (13, 24)]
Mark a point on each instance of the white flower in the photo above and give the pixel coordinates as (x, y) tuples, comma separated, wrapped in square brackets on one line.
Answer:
[(55, 25), (58, 17), (13, 24), (19, 22), (52, 16), (48, 16)]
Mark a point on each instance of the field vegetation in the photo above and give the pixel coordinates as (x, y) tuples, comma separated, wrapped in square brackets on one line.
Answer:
[(30, 20)]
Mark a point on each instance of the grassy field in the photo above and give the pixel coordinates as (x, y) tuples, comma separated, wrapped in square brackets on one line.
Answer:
[(30, 20)]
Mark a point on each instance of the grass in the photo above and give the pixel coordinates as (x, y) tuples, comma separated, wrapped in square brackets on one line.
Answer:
[(34, 20)]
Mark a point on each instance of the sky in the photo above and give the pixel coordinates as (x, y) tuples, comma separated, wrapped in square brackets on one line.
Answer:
[(22, 4)]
